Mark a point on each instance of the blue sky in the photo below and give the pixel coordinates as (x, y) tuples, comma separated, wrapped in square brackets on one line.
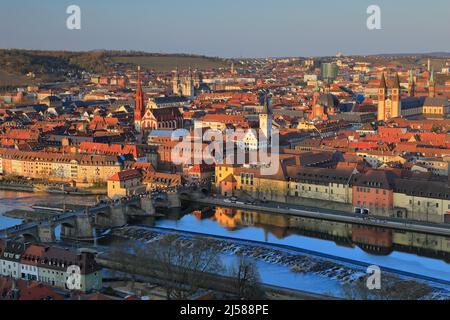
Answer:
[(229, 28)]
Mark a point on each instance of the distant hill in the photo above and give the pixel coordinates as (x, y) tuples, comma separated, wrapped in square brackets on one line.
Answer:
[(166, 63), (61, 65), (431, 54)]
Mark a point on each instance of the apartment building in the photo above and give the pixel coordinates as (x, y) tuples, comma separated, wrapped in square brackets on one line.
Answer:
[(74, 168), (49, 265)]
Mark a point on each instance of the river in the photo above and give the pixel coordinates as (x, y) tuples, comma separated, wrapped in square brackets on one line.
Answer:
[(422, 254), (405, 252)]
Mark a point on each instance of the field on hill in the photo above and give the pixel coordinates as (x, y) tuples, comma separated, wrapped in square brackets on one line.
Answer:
[(7, 79), (169, 63), (63, 65)]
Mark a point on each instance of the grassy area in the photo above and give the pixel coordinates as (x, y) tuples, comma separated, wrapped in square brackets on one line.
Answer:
[(58, 65), (12, 80), (169, 63)]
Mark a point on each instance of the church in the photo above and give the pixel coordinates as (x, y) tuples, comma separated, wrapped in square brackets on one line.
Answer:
[(392, 105), (149, 117)]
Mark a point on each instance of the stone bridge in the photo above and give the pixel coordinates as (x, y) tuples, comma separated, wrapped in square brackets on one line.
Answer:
[(193, 193), (80, 225)]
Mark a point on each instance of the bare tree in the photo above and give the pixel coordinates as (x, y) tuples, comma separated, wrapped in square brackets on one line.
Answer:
[(183, 263), (392, 288), (247, 279), (124, 252)]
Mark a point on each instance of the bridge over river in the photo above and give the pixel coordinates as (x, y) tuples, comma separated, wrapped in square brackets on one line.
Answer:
[(80, 224)]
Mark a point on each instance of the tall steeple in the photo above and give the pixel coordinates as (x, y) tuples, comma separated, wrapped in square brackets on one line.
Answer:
[(382, 93), (316, 94), (412, 85), (383, 84), (396, 84), (395, 99), (266, 120), (432, 85), (140, 108)]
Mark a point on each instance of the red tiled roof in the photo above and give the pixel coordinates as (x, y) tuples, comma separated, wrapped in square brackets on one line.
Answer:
[(126, 175)]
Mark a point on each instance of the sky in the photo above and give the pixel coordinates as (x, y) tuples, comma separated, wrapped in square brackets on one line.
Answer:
[(229, 28)]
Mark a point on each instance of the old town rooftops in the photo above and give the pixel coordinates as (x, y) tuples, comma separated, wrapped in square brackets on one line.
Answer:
[(380, 179), (60, 259), (13, 251), (88, 160), (423, 188), (126, 175), (33, 255), (322, 175)]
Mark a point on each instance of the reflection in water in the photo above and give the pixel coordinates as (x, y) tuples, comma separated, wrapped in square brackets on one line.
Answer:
[(372, 240)]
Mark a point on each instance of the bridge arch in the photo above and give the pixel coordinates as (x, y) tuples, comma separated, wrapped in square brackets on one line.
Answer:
[(27, 237), (64, 229)]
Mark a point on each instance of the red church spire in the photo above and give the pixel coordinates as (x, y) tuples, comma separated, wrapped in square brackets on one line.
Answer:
[(140, 109)]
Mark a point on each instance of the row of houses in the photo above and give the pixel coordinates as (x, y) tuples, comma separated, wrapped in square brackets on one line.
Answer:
[(74, 168), (53, 266), (381, 192)]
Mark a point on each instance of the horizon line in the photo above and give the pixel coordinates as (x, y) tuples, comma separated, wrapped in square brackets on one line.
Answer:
[(436, 54)]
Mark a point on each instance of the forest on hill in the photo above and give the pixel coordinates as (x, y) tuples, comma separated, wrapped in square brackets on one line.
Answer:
[(47, 66)]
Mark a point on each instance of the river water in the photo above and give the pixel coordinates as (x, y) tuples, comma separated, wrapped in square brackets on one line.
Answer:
[(405, 252), (10, 200)]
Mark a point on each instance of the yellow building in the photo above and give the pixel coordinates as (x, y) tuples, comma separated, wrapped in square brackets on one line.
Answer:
[(74, 168), (125, 183), (422, 200), (248, 181), (322, 184)]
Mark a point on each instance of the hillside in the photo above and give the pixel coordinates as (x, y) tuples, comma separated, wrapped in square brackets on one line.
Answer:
[(166, 63), (62, 65)]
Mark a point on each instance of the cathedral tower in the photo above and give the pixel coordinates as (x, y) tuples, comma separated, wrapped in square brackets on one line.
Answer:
[(395, 99), (412, 85), (432, 86), (382, 93), (140, 107), (265, 121)]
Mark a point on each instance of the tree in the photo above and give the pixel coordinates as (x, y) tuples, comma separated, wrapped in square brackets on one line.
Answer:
[(247, 279), (436, 129), (392, 288), (181, 266), (124, 252), (183, 263)]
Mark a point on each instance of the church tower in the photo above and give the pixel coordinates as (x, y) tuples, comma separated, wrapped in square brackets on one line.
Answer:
[(175, 83), (382, 93), (265, 121), (140, 107), (412, 85), (432, 86), (395, 100), (316, 95)]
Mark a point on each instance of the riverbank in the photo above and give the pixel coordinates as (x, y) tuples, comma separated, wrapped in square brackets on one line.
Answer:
[(329, 215), (306, 268), (32, 189), (214, 282)]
